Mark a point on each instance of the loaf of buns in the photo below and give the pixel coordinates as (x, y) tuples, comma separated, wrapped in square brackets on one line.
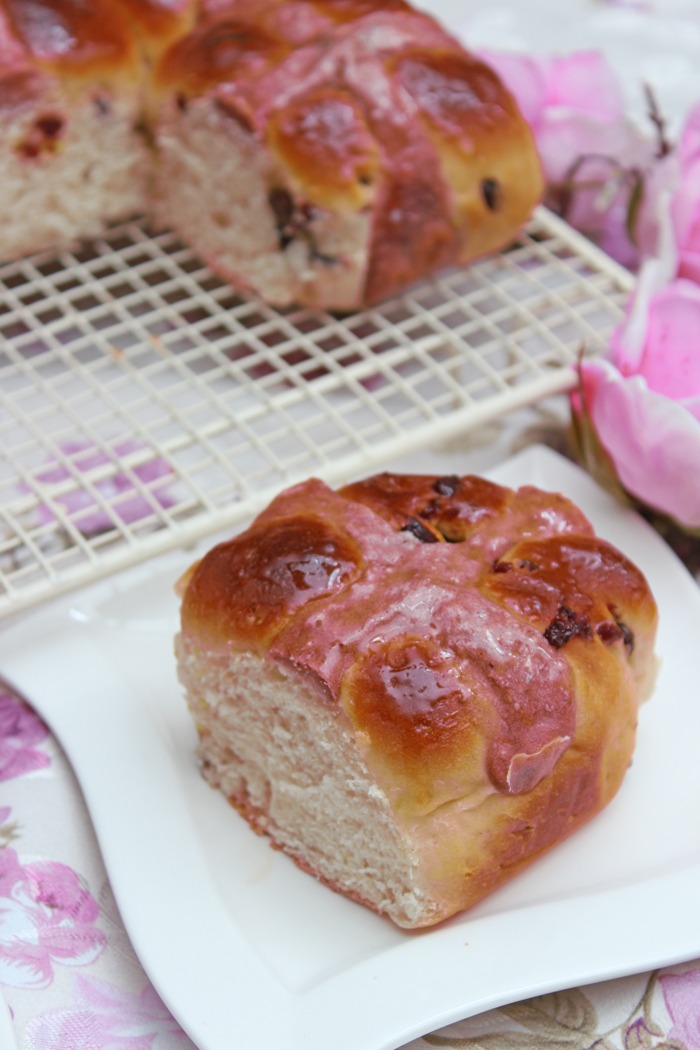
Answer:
[(416, 685), (320, 152)]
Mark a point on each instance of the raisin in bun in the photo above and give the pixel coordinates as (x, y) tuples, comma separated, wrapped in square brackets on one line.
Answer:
[(323, 152), (416, 685)]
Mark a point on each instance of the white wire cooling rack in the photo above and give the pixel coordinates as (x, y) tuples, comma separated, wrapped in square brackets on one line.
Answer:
[(145, 404)]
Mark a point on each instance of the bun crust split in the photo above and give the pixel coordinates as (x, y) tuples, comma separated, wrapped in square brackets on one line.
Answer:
[(415, 685), (320, 152)]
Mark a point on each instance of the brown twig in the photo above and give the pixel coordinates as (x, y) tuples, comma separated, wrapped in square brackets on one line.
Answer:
[(664, 147)]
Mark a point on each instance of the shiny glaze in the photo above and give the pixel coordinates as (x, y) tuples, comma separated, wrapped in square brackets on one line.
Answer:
[(257, 580), (162, 17), (13, 53), (455, 91), (475, 673), (452, 506), (217, 52), (583, 574), (523, 685), (326, 129)]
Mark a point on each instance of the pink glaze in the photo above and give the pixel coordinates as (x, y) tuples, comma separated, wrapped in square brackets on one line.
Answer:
[(407, 589)]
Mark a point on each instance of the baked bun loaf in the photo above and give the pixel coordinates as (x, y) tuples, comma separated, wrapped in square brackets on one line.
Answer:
[(72, 155), (320, 152), (416, 685), (332, 152)]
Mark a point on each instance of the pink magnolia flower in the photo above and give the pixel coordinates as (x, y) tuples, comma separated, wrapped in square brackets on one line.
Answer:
[(641, 407), (46, 917), (107, 1018), (129, 495), (669, 222), (20, 730), (592, 154), (682, 996)]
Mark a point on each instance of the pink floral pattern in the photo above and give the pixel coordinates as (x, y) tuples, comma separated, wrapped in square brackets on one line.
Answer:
[(582, 1019), (105, 1017), (49, 921), (47, 917), (20, 731), (682, 995)]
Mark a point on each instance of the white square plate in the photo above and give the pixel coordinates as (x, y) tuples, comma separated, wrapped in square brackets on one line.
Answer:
[(247, 950)]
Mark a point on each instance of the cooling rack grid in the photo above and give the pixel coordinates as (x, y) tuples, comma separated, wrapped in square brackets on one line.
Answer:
[(144, 404)]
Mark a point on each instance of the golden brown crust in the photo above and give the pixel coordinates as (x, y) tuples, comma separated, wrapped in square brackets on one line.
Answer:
[(219, 50), (323, 140), (78, 39), (247, 588), (95, 37), (449, 507), (483, 150), (161, 20)]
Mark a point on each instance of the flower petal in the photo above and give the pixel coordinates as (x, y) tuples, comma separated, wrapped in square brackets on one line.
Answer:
[(57, 886), (629, 338), (586, 82), (20, 729), (671, 360), (685, 213), (23, 961), (689, 145), (525, 76), (653, 442)]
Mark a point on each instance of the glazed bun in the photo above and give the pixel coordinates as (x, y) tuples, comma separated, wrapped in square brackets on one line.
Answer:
[(415, 685), (72, 155), (325, 153)]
